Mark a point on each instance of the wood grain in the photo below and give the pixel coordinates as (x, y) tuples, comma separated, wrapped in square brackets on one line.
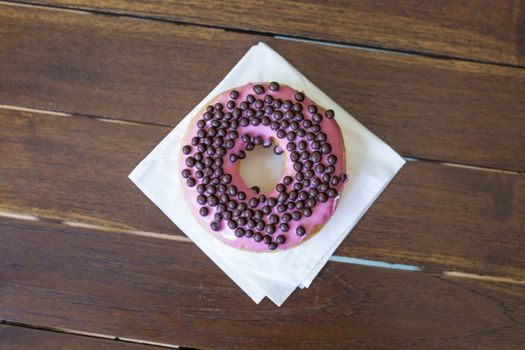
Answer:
[(156, 72), (29, 339), (434, 216), (169, 292), (480, 30)]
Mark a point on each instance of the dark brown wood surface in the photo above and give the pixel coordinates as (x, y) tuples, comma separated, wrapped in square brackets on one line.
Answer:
[(434, 216), (156, 72), (18, 338), (85, 95), (153, 289), (484, 30)]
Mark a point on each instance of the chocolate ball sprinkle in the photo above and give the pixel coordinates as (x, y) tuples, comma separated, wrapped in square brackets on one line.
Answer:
[(280, 239), (332, 193), (201, 199), (299, 96), (322, 197), (244, 122), (298, 166), (239, 232), (241, 221), (329, 114), (302, 145), (298, 186), (272, 246), (267, 239), (310, 136), (234, 94), (258, 89), (291, 136), (258, 215), (191, 182), (326, 148), (319, 168), (190, 162), (250, 113), (282, 197), (232, 224), (300, 231), (257, 237), (273, 86)]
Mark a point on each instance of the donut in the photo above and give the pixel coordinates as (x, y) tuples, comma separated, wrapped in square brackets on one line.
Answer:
[(263, 115)]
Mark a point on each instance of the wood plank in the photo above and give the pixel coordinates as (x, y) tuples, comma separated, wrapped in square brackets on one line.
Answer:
[(20, 338), (480, 30), (434, 216), (157, 290), (156, 72)]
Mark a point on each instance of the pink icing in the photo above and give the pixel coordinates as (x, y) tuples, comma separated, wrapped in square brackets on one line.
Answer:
[(321, 212)]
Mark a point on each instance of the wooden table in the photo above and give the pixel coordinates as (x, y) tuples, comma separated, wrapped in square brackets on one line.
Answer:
[(87, 88)]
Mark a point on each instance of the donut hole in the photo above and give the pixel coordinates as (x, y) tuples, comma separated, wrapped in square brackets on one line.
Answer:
[(261, 168)]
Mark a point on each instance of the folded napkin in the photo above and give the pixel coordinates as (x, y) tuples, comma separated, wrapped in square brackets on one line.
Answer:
[(371, 164)]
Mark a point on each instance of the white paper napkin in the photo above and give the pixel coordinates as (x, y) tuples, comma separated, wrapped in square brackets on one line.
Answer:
[(371, 164)]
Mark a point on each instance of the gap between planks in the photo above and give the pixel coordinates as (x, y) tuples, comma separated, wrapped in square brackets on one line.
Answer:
[(92, 335), (333, 258), (109, 119), (289, 37)]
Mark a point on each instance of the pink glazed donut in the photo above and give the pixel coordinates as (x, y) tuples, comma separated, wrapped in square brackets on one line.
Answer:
[(265, 115)]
